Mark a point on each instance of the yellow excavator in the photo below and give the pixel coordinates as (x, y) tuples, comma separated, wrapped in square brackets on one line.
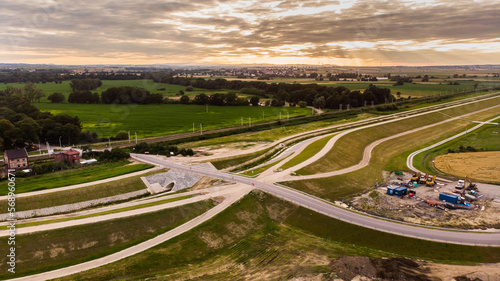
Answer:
[(469, 184), (415, 177), (431, 181)]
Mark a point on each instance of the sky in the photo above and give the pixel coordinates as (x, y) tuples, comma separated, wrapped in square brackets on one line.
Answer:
[(348, 33)]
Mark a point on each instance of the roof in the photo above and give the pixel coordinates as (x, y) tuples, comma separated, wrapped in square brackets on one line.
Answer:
[(69, 152), (16, 153)]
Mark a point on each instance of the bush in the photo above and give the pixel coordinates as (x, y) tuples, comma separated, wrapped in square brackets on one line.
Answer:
[(189, 88), (56, 98), (302, 104), (122, 135), (116, 154)]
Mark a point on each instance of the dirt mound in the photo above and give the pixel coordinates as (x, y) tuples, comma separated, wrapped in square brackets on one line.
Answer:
[(347, 267)]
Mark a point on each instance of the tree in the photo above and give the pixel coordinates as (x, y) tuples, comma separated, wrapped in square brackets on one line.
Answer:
[(56, 98), (184, 99), (201, 99), (122, 135), (32, 93), (189, 88), (254, 101), (302, 104), (319, 102), (30, 130)]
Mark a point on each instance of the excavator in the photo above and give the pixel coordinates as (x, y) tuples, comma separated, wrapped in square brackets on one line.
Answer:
[(470, 185), (415, 177), (431, 181)]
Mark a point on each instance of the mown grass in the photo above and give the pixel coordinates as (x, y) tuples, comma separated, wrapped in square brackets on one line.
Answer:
[(161, 119), (233, 161), (307, 153), (347, 185), (348, 150), (78, 195), (73, 176), (42, 251), (262, 235), (106, 212)]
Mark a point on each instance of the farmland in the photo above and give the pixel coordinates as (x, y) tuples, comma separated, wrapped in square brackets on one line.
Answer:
[(481, 166), (155, 120)]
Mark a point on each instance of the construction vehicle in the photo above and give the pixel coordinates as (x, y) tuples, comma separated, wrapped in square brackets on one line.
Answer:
[(470, 185), (415, 177), (422, 179), (431, 181)]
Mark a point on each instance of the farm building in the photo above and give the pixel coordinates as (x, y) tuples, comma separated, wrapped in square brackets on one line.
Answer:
[(72, 155), (396, 190), (16, 159)]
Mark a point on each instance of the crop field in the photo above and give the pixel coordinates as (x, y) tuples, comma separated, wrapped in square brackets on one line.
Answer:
[(73, 176), (155, 120), (72, 245), (485, 138), (348, 150), (64, 88), (263, 237), (481, 166)]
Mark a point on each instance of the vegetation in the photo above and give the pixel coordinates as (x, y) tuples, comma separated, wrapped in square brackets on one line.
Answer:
[(78, 195), (86, 242), (276, 239), (307, 153), (73, 176), (163, 149), (108, 120)]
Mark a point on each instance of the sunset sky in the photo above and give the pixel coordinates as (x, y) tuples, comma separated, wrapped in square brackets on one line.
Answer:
[(358, 33)]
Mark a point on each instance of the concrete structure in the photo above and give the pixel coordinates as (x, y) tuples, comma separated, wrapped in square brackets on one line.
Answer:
[(16, 159), (72, 155)]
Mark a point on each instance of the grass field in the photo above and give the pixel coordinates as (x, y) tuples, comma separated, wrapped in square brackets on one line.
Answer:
[(64, 88), (63, 247), (347, 185), (348, 150), (73, 176), (79, 195), (263, 237), (480, 166), (156, 120), (307, 153)]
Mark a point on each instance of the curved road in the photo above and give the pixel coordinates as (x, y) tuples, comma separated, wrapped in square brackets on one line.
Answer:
[(316, 204)]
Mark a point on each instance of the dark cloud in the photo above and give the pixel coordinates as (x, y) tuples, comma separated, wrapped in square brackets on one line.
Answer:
[(208, 28)]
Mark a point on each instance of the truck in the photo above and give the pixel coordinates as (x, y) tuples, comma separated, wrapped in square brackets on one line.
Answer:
[(451, 198), (460, 184), (422, 179)]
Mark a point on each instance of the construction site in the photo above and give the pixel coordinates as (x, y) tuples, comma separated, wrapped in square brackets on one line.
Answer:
[(425, 199)]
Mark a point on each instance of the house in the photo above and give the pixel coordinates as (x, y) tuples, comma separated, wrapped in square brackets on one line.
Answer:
[(72, 155), (16, 159)]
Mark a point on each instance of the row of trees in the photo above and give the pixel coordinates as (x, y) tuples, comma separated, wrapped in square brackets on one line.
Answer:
[(85, 84)]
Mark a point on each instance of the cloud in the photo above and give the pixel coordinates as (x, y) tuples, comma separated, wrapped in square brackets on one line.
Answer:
[(221, 31)]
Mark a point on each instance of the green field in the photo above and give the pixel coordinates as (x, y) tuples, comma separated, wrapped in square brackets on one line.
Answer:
[(64, 88), (262, 235), (73, 176), (163, 119), (307, 153), (66, 246)]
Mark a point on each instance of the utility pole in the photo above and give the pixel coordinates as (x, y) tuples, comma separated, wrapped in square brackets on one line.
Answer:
[(60, 145), (201, 129), (109, 142), (128, 136), (135, 137), (249, 122), (280, 115), (288, 116), (241, 121), (193, 128)]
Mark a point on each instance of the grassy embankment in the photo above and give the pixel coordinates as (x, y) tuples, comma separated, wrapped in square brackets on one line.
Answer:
[(73, 176), (42, 251), (307, 153), (78, 195), (386, 156), (348, 150), (263, 237)]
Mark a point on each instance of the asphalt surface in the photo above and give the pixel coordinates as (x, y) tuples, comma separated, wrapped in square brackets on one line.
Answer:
[(316, 204)]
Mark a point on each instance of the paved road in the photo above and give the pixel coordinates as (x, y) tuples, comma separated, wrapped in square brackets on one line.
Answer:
[(316, 204)]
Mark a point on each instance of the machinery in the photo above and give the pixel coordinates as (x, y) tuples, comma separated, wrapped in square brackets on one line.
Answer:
[(415, 177), (422, 179), (431, 181), (470, 185)]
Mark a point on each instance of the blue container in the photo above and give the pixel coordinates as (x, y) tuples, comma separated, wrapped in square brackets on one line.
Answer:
[(449, 198), (397, 190)]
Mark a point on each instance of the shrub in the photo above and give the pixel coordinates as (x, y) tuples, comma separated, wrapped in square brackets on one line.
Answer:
[(56, 98)]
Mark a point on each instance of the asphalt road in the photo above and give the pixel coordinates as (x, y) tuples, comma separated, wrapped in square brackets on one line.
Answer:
[(316, 204)]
